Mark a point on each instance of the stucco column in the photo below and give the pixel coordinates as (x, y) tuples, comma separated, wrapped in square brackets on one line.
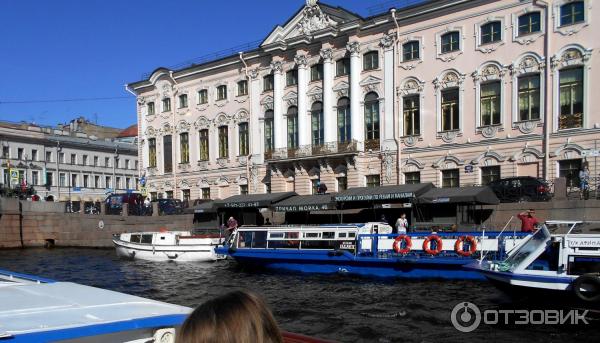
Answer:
[(356, 122), (303, 117), (280, 128), (330, 118), (256, 137), (387, 124)]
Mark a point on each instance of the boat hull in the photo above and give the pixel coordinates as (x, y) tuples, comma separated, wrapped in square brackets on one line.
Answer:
[(202, 253)]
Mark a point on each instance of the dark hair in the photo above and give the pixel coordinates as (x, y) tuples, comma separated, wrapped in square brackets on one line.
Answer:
[(239, 316)]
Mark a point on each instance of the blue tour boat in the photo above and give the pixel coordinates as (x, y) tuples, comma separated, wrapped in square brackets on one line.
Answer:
[(368, 249)]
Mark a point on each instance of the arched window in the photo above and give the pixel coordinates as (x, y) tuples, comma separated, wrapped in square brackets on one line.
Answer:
[(269, 138), (371, 117), (530, 23), (317, 130), (572, 13), (223, 142), (450, 42), (343, 116), (292, 127)]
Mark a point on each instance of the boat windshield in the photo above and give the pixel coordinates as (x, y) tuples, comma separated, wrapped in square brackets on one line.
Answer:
[(531, 246)]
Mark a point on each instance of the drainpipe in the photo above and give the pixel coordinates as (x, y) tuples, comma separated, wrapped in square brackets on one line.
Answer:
[(58, 149), (250, 141), (397, 107), (174, 145), (548, 87)]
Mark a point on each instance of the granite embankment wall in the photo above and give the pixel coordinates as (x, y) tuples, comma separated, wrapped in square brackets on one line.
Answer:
[(41, 222)]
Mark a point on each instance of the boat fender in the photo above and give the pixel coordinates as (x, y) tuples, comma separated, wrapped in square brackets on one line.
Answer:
[(460, 243), (398, 244), (427, 245), (587, 287)]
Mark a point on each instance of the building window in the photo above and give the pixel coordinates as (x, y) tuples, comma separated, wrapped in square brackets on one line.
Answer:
[(373, 181), (291, 77), (410, 51), (206, 193), (343, 120), (183, 101), (571, 98), (269, 142), (20, 153), (490, 103), (342, 67), (202, 96), (169, 194), (222, 92), (450, 178), (73, 180), (185, 193), (569, 169), (62, 180), (450, 42), (5, 152), (49, 179), (35, 178), (96, 181), (529, 97), (411, 109), (342, 183), (85, 160), (268, 83), (116, 162), (48, 156), (107, 182), (107, 162), (34, 155), (244, 141), (292, 127), (96, 161), (184, 148), (86, 181), (317, 129), (371, 60), (167, 153), (223, 142), (150, 108), (166, 105), (412, 178), (118, 183), (450, 113), (314, 186), (491, 32), (243, 189), (372, 118), (572, 13), (204, 145), (316, 72), (152, 152), (73, 159), (529, 23), (268, 187), (489, 174), (242, 87)]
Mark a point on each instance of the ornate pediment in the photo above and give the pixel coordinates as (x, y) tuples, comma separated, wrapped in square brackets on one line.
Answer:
[(291, 98), (341, 89)]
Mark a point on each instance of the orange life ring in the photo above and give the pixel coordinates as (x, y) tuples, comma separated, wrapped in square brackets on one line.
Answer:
[(398, 244), (460, 243), (427, 245)]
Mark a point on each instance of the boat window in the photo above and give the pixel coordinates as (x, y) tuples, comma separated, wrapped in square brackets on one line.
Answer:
[(275, 234), (259, 239), (328, 235), (548, 260), (538, 239), (352, 234), (342, 235), (147, 239), (135, 238), (579, 265), (162, 237), (312, 234)]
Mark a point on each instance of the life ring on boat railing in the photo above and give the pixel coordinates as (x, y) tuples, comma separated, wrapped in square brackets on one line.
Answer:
[(398, 244), (427, 244), (460, 244)]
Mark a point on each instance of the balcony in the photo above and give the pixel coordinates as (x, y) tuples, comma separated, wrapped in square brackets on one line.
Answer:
[(306, 151)]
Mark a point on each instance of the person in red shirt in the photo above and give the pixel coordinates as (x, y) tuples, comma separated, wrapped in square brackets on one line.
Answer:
[(528, 220)]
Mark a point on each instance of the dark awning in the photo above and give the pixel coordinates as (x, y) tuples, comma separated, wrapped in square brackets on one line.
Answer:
[(203, 207), (253, 200), (299, 203), (383, 193), (483, 195)]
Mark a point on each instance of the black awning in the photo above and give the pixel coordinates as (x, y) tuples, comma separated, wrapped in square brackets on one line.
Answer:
[(483, 195), (383, 193), (300, 203), (202, 207), (253, 200)]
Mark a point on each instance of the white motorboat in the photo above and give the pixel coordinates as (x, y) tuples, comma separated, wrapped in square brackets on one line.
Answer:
[(182, 246), (557, 259), (41, 310)]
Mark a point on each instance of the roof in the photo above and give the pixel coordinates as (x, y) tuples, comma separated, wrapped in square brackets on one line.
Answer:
[(483, 195), (395, 192), (131, 131), (300, 203), (253, 200)]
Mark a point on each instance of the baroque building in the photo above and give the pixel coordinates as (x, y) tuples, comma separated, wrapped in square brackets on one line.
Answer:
[(451, 92)]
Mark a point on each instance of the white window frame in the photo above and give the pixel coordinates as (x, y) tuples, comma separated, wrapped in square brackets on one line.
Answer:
[(411, 86), (571, 29), (528, 38), (481, 76), (409, 65), (452, 55), (527, 64), (441, 83), (490, 47)]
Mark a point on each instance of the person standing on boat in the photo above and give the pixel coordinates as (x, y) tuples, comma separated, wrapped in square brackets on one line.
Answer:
[(232, 224), (528, 220), (402, 224)]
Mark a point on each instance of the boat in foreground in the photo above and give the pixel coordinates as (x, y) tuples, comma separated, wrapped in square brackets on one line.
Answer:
[(557, 259), (181, 246), (368, 249)]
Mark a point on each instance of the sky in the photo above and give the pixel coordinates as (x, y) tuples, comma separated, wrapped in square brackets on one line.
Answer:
[(80, 49)]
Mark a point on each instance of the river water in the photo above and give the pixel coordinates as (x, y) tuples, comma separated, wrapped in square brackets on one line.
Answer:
[(342, 308)]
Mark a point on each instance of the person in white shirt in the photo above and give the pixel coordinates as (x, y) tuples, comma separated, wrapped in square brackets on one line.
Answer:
[(402, 224)]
